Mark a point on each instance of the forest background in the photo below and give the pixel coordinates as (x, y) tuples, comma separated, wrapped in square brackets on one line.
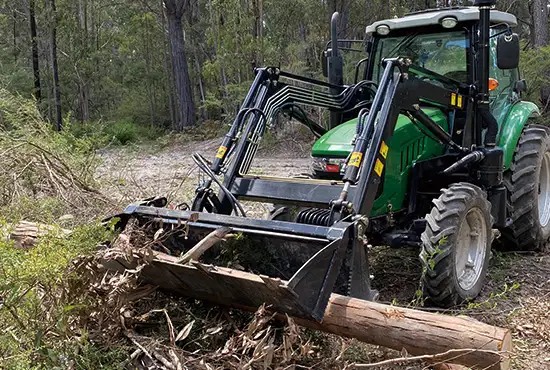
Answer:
[(137, 68)]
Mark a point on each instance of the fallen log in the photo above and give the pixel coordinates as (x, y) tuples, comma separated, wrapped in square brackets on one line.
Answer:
[(453, 339), (26, 234)]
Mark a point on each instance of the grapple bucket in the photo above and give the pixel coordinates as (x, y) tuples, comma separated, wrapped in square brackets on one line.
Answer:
[(301, 263)]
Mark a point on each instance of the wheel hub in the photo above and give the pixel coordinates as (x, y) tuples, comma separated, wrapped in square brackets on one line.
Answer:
[(544, 190), (472, 249)]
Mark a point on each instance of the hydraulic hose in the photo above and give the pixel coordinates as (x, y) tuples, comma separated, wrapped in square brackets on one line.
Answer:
[(201, 163), (468, 159)]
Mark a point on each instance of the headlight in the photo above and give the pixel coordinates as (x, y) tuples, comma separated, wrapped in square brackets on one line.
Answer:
[(449, 22), (383, 30), (329, 165)]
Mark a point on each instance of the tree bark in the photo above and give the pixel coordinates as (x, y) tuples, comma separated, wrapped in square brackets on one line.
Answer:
[(167, 69), (186, 106), (539, 11), (148, 87), (84, 89), (55, 71), (15, 52), (386, 9), (540, 23), (34, 45)]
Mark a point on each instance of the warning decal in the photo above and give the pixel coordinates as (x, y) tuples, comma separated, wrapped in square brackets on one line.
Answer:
[(355, 159), (221, 152), (384, 150), (378, 167)]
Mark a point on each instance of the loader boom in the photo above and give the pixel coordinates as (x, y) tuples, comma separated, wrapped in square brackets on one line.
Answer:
[(312, 284)]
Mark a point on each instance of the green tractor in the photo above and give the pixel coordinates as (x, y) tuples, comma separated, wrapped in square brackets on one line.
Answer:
[(431, 146), (456, 232)]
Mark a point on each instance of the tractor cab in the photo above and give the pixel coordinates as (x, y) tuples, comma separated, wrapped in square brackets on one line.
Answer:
[(441, 44)]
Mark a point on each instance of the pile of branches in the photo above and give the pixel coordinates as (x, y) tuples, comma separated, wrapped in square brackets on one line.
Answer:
[(176, 333), (38, 162)]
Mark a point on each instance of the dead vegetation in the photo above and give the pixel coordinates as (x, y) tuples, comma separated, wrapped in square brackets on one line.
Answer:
[(39, 164), (176, 333)]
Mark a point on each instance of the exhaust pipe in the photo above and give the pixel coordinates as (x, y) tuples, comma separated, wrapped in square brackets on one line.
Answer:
[(335, 68)]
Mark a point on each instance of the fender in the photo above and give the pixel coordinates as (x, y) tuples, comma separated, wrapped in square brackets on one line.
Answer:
[(512, 127)]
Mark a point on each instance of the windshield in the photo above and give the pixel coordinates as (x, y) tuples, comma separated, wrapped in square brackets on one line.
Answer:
[(443, 53)]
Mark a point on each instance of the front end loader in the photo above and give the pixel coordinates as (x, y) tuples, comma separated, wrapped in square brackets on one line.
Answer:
[(420, 155)]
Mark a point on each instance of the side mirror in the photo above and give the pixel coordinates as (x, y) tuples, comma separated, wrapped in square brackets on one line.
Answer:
[(508, 51), (324, 63)]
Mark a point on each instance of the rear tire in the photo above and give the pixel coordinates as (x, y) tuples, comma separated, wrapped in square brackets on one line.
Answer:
[(528, 185), (456, 245)]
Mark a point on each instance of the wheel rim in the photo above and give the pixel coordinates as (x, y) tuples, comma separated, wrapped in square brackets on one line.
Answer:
[(472, 247), (544, 190)]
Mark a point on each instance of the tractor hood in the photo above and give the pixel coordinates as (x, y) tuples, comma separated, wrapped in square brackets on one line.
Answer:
[(337, 142)]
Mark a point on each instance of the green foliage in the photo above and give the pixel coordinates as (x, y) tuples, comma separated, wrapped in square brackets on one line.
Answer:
[(492, 301), (123, 132), (114, 57), (102, 134), (533, 61), (42, 300)]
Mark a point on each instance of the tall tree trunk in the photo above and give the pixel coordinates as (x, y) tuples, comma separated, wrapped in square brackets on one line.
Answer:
[(257, 31), (214, 17), (167, 69), (386, 9), (539, 13), (540, 23), (84, 89), (55, 71), (15, 52), (148, 87), (184, 90), (34, 44), (45, 57)]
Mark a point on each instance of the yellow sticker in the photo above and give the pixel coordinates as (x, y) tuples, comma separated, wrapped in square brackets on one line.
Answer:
[(221, 152), (355, 159), (460, 101), (378, 167), (384, 150), (453, 99)]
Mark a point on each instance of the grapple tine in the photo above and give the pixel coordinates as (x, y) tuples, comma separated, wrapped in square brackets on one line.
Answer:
[(315, 280)]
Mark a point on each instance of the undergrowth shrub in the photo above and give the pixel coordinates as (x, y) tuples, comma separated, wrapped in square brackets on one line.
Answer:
[(38, 162), (43, 302), (103, 134)]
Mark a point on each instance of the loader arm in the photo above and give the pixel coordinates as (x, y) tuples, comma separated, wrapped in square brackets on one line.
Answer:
[(306, 292)]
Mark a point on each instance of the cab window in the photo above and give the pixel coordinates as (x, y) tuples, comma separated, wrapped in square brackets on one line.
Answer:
[(444, 53)]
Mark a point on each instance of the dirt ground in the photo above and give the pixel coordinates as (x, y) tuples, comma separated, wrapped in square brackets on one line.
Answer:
[(516, 296)]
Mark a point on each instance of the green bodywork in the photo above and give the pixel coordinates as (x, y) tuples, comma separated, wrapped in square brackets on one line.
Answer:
[(511, 126), (408, 145)]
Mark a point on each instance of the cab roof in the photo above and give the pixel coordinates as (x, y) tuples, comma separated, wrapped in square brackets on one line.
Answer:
[(434, 16)]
